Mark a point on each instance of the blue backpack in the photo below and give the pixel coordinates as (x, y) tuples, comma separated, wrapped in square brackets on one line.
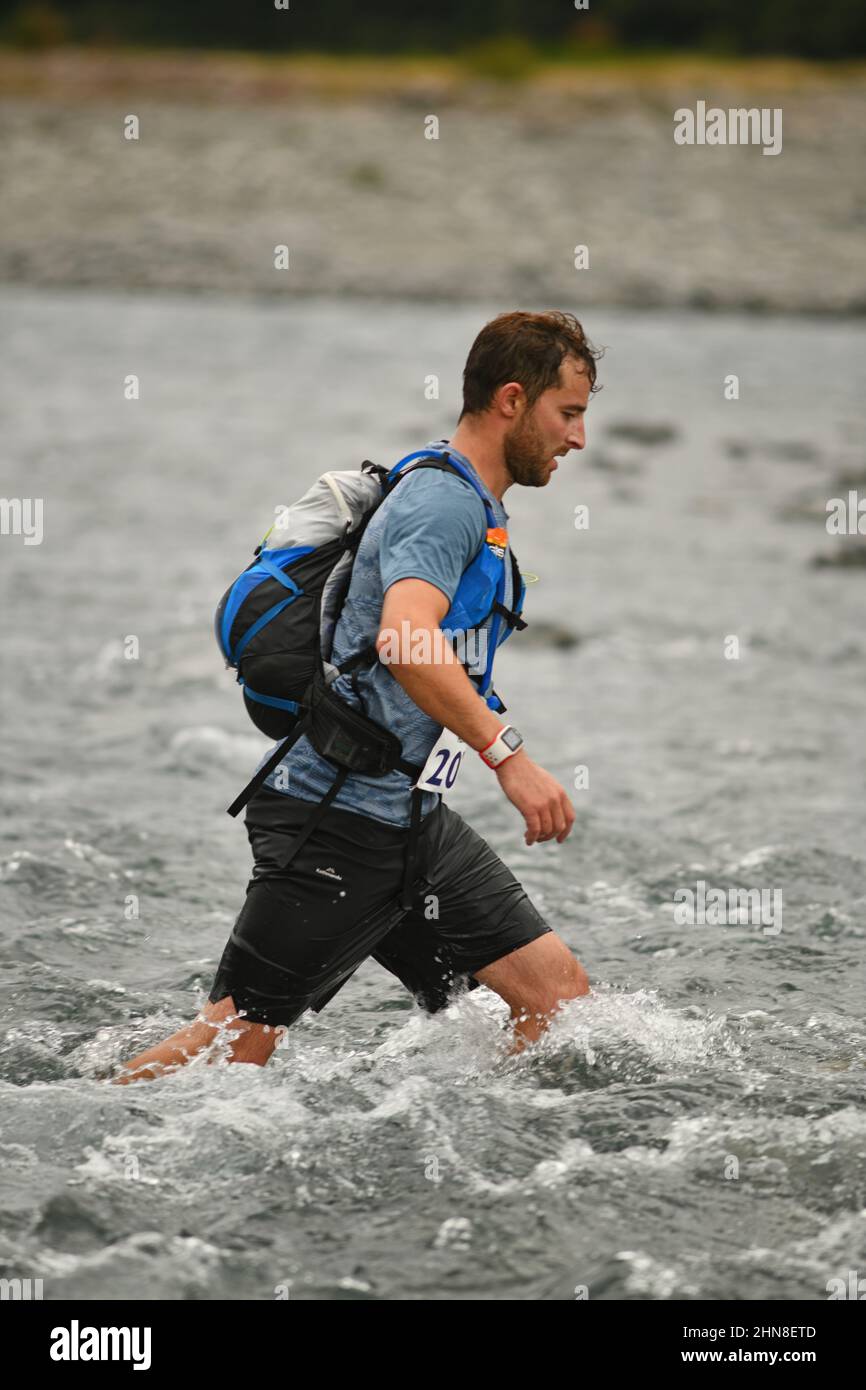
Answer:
[(275, 624)]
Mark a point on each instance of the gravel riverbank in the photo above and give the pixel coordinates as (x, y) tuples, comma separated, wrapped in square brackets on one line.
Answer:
[(236, 156)]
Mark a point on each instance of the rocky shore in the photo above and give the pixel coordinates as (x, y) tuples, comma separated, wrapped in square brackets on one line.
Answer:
[(235, 157)]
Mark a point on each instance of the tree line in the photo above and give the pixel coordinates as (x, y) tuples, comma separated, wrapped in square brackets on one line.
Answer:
[(831, 29)]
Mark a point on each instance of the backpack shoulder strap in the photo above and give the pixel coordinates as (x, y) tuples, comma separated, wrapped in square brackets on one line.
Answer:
[(511, 615), (420, 460), (427, 459)]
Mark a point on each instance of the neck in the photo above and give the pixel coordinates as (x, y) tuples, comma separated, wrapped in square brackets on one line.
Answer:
[(485, 455)]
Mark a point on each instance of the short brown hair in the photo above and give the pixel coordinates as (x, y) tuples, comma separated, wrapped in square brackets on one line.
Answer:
[(523, 347)]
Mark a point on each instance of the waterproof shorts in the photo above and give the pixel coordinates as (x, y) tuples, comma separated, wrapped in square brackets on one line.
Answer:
[(303, 930)]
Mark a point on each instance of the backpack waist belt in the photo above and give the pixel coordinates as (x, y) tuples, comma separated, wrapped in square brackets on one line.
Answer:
[(354, 743)]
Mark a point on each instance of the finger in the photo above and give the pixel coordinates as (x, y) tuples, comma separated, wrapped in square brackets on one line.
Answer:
[(569, 817), (556, 823), (532, 827)]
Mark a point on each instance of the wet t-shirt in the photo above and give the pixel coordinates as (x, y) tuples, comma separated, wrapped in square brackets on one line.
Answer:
[(430, 527)]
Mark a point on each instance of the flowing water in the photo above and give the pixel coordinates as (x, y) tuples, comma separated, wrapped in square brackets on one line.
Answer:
[(695, 1128)]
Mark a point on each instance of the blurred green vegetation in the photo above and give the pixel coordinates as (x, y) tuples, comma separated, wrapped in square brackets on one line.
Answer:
[(502, 39)]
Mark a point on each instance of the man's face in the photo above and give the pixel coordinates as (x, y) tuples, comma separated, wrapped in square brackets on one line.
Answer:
[(552, 427)]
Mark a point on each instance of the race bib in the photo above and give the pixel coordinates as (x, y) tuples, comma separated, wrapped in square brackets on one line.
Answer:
[(439, 773)]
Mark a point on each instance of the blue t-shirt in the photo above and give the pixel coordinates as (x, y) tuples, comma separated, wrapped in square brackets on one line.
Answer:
[(430, 527)]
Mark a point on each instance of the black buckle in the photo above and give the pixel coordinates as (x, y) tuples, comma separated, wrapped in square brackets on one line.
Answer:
[(509, 615)]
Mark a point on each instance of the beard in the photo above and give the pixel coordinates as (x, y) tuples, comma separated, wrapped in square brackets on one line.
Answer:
[(525, 455)]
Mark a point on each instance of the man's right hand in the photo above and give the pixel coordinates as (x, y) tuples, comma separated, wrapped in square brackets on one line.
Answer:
[(538, 797)]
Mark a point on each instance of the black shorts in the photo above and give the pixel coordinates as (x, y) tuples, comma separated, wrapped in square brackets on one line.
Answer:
[(302, 931)]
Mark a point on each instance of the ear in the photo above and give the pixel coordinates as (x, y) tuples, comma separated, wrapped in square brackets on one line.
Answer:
[(510, 397)]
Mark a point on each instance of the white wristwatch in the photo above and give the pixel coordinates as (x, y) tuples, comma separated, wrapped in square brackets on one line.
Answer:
[(505, 745)]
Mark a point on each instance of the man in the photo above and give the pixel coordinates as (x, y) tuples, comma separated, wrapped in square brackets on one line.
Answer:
[(303, 930)]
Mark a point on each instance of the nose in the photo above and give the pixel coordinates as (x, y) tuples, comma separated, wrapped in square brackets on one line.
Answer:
[(576, 437)]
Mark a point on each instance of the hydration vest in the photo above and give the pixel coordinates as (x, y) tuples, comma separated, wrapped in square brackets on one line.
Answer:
[(481, 592)]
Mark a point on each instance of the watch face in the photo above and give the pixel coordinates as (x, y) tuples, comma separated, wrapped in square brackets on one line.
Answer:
[(512, 739)]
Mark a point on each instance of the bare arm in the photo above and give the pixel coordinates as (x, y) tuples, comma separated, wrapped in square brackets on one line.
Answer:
[(442, 689)]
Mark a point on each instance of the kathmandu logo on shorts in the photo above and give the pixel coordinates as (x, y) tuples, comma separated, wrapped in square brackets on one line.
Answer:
[(330, 873)]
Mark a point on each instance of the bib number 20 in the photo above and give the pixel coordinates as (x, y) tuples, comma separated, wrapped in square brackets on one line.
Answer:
[(443, 763)]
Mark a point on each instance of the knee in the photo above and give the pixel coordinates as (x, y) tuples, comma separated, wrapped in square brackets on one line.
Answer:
[(545, 1000)]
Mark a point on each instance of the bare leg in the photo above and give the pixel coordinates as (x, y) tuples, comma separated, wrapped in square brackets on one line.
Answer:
[(534, 980), (250, 1042)]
